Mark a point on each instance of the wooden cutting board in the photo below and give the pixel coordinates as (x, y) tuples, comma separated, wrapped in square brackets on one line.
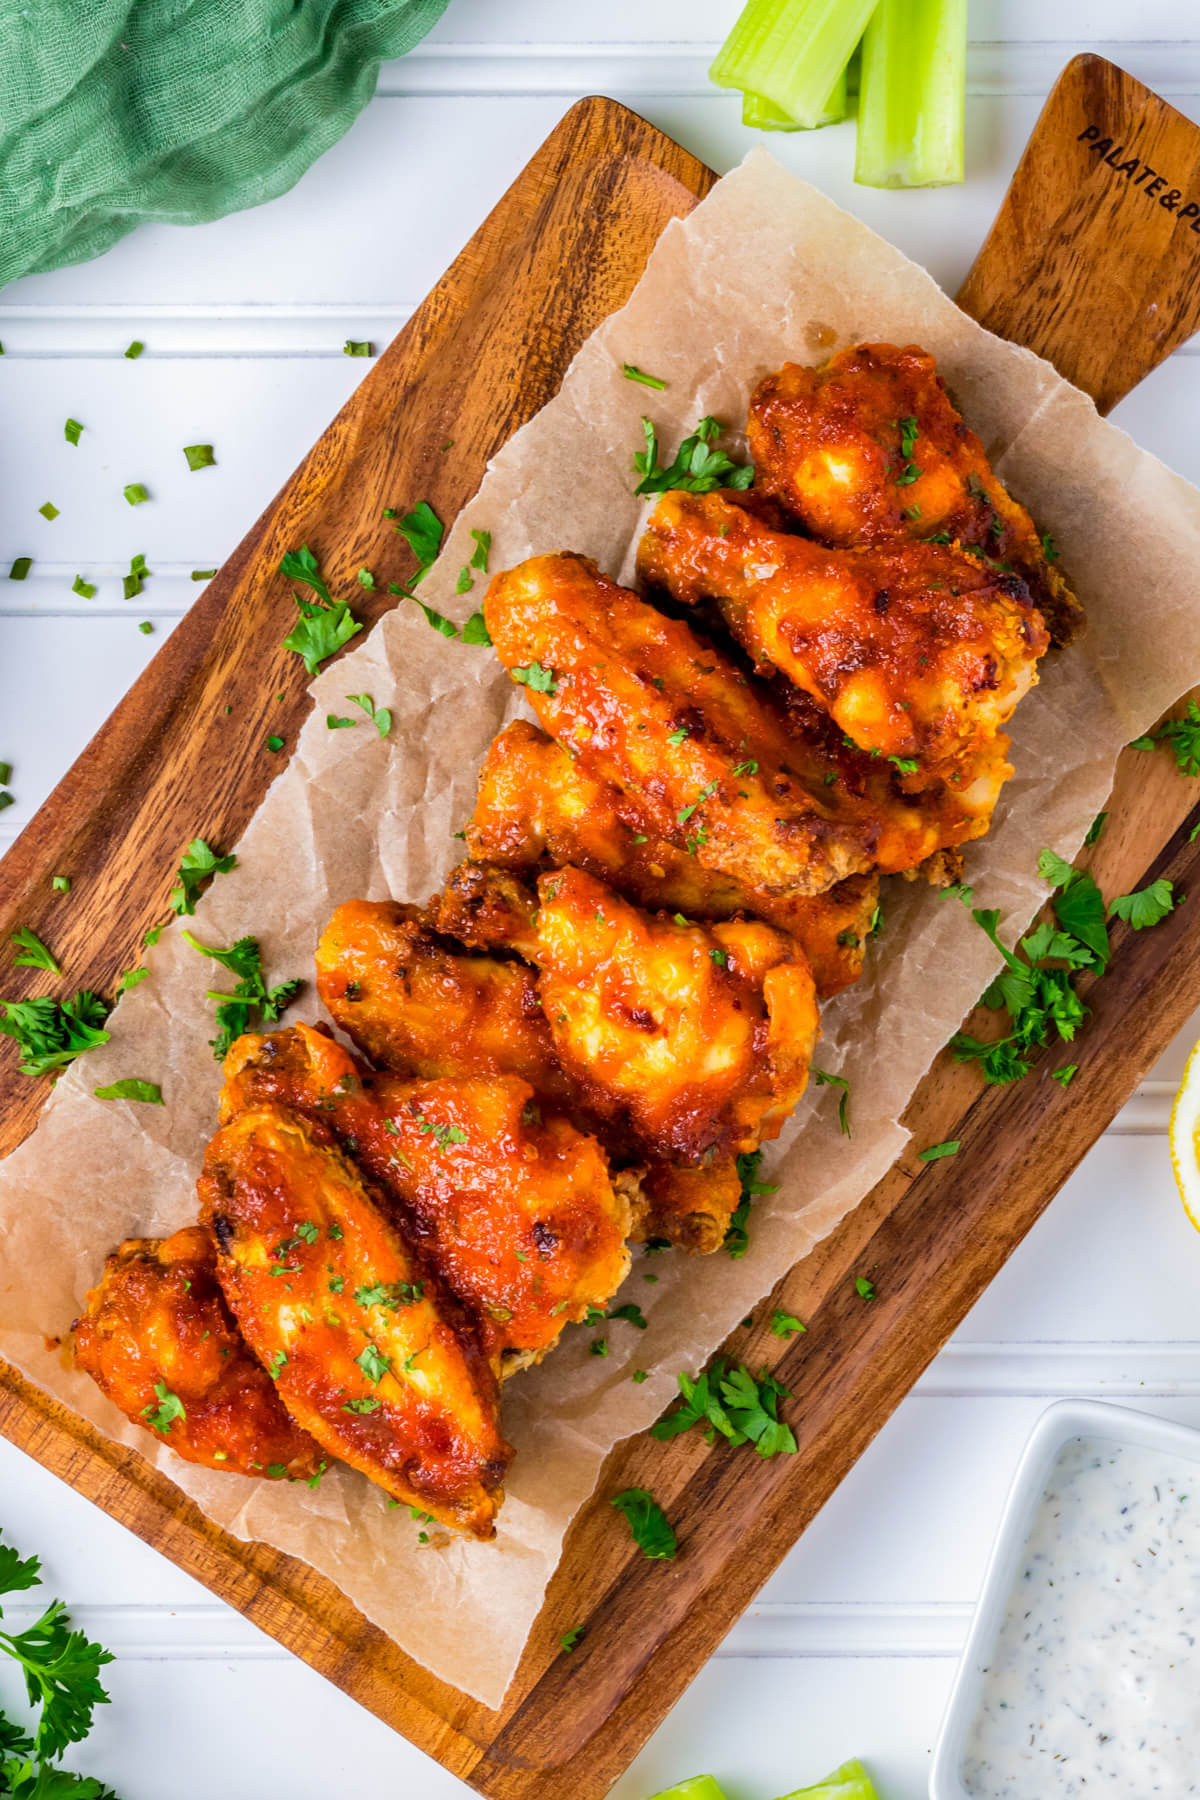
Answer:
[(1087, 263)]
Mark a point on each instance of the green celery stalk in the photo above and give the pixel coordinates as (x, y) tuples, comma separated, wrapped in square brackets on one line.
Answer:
[(791, 52), (912, 94), (764, 115), (697, 1787), (850, 1782)]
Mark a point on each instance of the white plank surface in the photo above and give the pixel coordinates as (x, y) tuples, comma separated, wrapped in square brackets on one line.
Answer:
[(851, 1646)]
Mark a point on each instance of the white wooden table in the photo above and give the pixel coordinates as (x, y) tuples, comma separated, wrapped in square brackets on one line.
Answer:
[(851, 1647)]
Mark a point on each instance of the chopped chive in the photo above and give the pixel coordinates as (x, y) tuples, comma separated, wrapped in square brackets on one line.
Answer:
[(82, 587), (5, 774), (20, 568), (359, 347), (135, 349), (199, 456), (203, 574), (49, 511), (274, 744), (145, 627), (631, 372), (72, 431), (135, 493), (6, 800), (935, 1152)]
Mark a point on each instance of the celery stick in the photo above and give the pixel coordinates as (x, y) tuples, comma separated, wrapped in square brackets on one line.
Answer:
[(791, 52), (762, 113), (912, 94), (699, 1787), (850, 1782)]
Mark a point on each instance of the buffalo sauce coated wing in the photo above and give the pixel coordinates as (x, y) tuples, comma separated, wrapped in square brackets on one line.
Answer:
[(698, 1037), (690, 1207), (870, 448), (415, 1005), (917, 651), (537, 806), (655, 711), (516, 1213), (158, 1339), (345, 1321)]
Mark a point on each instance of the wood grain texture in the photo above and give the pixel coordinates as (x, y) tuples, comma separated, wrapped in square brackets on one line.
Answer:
[(1094, 258), (486, 349)]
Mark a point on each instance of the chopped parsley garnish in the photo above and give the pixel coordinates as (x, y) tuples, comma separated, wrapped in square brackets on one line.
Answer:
[(823, 1079), (599, 1347), (648, 1522), (1182, 736), (251, 1001), (697, 468), (85, 589), (1049, 547), (745, 768), (307, 1232), (336, 723), (935, 1152), (32, 953), (569, 1639), (60, 883), (728, 1401), (131, 1088), (906, 765), (136, 493), (392, 1295), (203, 574), (640, 1375), (542, 681), (909, 433), (631, 372), (373, 1363), (274, 745), (20, 569), (1095, 828), (366, 579), (676, 737), (72, 431), (379, 716), (367, 1405), (482, 550), (864, 1289), (1065, 1074), (422, 531), (465, 582), (785, 1324), (737, 1236), (1149, 906), (146, 628), (629, 1312), (325, 624), (51, 1035), (358, 347), (719, 956), (198, 863), (170, 1407), (199, 456), (135, 350), (49, 511), (442, 1135), (276, 1364)]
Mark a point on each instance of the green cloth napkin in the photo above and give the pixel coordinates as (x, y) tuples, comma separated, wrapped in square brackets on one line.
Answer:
[(115, 111)]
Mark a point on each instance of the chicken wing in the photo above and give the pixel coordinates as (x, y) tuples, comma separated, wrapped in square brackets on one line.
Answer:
[(158, 1339), (650, 708), (344, 1320), (917, 651), (690, 1207), (697, 1038), (538, 807), (517, 1214), (869, 448)]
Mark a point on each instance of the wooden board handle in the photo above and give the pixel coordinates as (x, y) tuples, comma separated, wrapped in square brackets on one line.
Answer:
[(1094, 258)]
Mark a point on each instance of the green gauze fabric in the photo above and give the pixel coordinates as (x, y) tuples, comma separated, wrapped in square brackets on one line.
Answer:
[(115, 111)]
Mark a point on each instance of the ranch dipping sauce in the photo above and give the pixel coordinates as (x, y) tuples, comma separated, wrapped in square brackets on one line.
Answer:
[(1093, 1688)]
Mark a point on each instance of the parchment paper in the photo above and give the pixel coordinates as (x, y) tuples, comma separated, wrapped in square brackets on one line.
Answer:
[(766, 269)]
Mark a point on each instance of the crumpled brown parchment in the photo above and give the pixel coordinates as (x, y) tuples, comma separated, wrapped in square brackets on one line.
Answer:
[(765, 270)]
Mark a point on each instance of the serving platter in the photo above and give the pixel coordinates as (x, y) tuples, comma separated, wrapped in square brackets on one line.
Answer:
[(1082, 262)]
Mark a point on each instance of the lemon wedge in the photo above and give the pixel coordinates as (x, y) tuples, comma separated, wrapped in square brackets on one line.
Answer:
[(1185, 1138)]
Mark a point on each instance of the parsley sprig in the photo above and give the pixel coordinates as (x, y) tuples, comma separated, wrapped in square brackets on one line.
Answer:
[(61, 1670), (648, 1522), (1181, 736), (51, 1033), (728, 1401), (737, 1235), (197, 864), (252, 1002), (697, 467), (325, 624)]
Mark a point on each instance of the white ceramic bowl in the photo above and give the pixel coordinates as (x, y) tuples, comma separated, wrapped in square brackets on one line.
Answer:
[(1065, 1420)]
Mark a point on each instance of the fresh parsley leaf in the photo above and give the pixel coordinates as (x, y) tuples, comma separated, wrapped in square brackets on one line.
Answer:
[(251, 1002), (475, 630), (1066, 1074), (1095, 828), (648, 1523), (33, 953), (131, 978), (1049, 548), (599, 1347), (367, 1405), (785, 1324), (302, 566), (542, 681), (728, 1401), (391, 1295), (198, 863), (630, 1313), (274, 745), (199, 456), (51, 1035), (146, 628), (697, 468), (482, 550), (823, 1079), (60, 883), (465, 582), (863, 1288), (324, 625), (335, 723), (366, 579), (373, 1363), (380, 717), (422, 531), (631, 372), (1149, 906), (906, 765), (935, 1152), (1181, 736), (170, 1407), (131, 1089), (569, 1639), (737, 1236)]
